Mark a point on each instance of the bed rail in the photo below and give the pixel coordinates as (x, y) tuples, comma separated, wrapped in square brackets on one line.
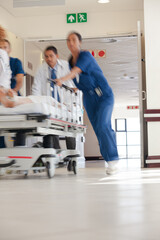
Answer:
[(74, 111)]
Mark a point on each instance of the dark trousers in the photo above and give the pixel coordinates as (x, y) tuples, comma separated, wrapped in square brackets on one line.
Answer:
[(2, 143), (70, 142)]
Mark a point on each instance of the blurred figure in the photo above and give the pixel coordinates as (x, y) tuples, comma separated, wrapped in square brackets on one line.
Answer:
[(98, 98), (5, 74), (16, 67), (53, 68)]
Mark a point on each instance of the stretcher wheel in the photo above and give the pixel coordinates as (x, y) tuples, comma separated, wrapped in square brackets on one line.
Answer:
[(74, 167), (50, 169), (26, 173), (69, 166)]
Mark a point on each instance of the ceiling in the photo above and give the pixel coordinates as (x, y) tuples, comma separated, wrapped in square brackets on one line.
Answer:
[(120, 66), (69, 6)]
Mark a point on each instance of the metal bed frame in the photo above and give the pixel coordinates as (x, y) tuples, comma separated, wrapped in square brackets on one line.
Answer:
[(22, 158)]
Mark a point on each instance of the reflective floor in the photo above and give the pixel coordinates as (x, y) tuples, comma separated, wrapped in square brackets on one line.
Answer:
[(89, 205)]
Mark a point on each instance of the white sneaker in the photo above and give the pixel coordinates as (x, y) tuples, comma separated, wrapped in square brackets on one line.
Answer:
[(112, 167)]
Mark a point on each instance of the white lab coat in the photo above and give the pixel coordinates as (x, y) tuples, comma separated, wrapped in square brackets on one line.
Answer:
[(5, 71), (41, 86)]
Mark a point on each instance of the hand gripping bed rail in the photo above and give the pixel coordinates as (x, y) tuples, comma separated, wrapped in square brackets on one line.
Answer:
[(73, 115)]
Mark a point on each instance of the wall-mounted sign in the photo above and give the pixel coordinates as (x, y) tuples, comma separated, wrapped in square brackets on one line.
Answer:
[(98, 53), (132, 107), (30, 66), (72, 18), (82, 17)]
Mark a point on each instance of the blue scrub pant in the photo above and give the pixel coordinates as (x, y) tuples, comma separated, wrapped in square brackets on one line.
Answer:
[(99, 110), (2, 143)]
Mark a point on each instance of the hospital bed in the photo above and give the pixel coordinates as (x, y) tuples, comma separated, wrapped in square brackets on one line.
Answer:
[(41, 119)]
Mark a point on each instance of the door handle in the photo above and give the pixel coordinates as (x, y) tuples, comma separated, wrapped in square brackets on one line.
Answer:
[(143, 95)]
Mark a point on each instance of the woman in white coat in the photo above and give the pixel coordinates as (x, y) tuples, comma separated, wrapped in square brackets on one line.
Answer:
[(5, 72)]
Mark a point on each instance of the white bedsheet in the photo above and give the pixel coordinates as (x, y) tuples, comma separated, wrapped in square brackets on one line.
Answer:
[(41, 108)]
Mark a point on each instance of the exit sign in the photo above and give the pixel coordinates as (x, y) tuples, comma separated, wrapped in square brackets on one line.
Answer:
[(82, 17), (71, 18), (79, 17)]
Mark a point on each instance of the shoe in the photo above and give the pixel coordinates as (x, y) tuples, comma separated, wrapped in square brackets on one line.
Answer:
[(112, 167)]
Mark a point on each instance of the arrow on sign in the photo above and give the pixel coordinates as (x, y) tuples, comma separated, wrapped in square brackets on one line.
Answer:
[(71, 18)]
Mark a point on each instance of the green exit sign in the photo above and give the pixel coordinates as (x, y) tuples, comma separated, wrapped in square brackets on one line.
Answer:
[(82, 17), (72, 18)]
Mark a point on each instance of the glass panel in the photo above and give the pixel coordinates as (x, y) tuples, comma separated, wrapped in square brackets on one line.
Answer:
[(121, 124), (133, 151), (133, 124), (121, 138), (122, 151), (133, 138)]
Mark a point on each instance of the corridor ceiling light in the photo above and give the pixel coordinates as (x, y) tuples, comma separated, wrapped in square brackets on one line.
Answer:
[(103, 1)]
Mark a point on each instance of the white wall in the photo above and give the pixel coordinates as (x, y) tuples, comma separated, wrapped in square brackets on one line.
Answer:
[(8, 21), (121, 111), (17, 46), (33, 55), (152, 49), (99, 24)]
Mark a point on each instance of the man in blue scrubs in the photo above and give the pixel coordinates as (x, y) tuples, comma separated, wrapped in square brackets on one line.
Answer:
[(16, 68), (17, 74)]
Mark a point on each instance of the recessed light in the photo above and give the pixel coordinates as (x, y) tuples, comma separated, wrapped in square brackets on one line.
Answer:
[(103, 1)]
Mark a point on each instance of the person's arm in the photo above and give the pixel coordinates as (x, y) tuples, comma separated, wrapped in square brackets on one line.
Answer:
[(71, 75), (19, 82), (19, 75), (84, 60)]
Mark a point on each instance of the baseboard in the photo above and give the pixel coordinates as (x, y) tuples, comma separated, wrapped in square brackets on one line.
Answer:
[(153, 161), (94, 158)]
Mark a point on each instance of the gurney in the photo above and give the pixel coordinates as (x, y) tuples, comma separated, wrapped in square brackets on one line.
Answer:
[(40, 119)]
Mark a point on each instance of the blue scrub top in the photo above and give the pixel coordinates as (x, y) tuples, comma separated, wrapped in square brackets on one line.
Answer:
[(16, 68), (92, 77)]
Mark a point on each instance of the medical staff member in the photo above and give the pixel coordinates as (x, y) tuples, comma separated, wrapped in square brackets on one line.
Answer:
[(59, 68), (16, 68), (5, 74), (98, 97)]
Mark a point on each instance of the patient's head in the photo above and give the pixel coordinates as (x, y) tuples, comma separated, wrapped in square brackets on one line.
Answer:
[(51, 56), (5, 45)]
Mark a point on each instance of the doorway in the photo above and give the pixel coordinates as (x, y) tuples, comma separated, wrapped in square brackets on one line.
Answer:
[(119, 63)]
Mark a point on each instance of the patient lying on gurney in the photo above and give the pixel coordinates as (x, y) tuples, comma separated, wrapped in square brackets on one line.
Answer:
[(18, 100)]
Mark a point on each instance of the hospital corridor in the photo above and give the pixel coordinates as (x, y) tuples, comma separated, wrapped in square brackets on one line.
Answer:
[(79, 120)]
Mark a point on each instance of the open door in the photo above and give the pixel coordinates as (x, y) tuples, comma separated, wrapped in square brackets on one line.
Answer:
[(142, 94)]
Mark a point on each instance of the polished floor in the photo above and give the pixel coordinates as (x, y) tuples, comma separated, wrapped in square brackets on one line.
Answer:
[(90, 205)]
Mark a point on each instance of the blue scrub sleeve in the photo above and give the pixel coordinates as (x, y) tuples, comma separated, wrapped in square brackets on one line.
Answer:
[(84, 60), (18, 66)]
